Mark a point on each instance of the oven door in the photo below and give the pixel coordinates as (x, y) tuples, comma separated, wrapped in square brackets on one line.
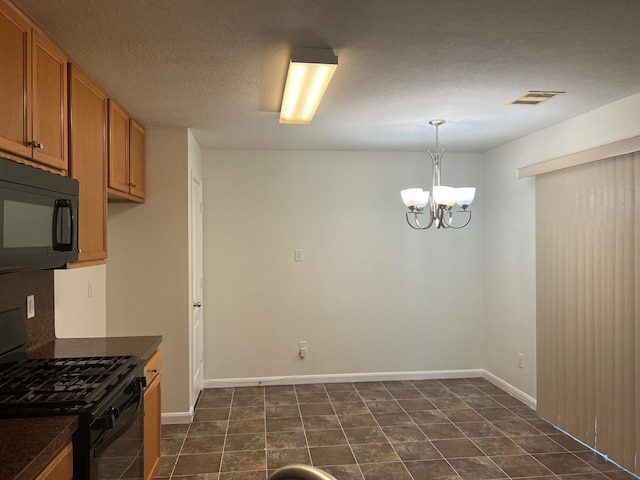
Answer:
[(117, 437)]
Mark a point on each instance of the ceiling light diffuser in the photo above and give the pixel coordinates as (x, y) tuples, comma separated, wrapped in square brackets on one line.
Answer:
[(310, 71)]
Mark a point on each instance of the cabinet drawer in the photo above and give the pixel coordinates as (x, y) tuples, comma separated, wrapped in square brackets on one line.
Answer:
[(153, 366)]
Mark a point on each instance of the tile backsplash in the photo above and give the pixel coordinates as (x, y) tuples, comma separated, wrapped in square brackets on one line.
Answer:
[(14, 289)]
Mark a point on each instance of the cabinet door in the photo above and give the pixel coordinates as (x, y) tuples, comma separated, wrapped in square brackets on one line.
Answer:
[(118, 148), (49, 103), (15, 82), (60, 467), (152, 409), (137, 159), (88, 162)]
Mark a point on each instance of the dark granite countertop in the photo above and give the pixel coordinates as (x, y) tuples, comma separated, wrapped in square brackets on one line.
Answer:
[(141, 347), (28, 444)]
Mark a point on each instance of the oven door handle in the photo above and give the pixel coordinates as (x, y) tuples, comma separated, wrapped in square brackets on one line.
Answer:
[(107, 440)]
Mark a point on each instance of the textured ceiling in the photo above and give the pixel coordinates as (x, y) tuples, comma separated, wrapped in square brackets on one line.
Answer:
[(218, 66)]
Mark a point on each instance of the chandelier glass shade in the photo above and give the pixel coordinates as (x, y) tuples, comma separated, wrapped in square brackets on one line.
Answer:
[(437, 206)]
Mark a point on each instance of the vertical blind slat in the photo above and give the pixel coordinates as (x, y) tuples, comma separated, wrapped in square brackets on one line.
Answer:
[(636, 219)]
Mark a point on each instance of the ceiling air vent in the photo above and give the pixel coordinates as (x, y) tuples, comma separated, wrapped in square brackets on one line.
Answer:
[(533, 97)]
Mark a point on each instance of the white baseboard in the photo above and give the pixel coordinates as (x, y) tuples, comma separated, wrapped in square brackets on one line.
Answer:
[(177, 418), (510, 389), (187, 417), (340, 377)]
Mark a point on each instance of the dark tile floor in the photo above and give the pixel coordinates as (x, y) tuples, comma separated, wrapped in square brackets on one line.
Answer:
[(403, 430)]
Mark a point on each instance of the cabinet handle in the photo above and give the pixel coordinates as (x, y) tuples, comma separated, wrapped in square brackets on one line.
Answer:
[(35, 145), (132, 184)]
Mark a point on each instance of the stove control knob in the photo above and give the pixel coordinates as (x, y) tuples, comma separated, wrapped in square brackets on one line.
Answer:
[(109, 418)]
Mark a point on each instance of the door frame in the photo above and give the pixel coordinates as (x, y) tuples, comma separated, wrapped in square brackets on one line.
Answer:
[(196, 360)]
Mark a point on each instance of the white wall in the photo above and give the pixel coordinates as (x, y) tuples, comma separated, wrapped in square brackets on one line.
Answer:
[(371, 296), (148, 265), (77, 314), (509, 232)]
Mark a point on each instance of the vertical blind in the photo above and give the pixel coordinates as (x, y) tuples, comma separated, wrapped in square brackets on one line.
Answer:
[(588, 304)]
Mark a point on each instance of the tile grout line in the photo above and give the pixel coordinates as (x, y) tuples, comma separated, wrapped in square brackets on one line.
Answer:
[(566, 450), (382, 429), (226, 431), (510, 437), (561, 446), (426, 436), (304, 430), (342, 428), (467, 437), (175, 464), (266, 446)]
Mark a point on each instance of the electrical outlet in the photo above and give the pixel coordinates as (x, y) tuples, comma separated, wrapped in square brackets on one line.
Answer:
[(521, 360), (302, 348), (298, 255), (31, 306), (89, 288)]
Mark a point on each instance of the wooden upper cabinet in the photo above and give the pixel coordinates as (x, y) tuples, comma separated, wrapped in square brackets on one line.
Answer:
[(118, 148), (126, 156), (137, 159), (49, 103), (33, 93), (88, 162), (15, 82)]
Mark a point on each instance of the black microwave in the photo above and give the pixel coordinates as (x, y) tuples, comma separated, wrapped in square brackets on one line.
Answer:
[(38, 218)]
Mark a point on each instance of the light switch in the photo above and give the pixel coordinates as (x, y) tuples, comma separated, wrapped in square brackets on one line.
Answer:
[(31, 306), (298, 255)]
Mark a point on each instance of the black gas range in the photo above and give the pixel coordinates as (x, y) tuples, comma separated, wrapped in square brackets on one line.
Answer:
[(106, 393)]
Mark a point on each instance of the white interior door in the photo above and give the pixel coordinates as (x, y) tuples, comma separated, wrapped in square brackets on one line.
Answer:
[(197, 352)]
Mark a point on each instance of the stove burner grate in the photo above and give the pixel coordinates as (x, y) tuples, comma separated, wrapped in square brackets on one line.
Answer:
[(67, 384)]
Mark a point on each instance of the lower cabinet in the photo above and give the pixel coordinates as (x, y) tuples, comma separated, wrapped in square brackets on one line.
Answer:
[(60, 467), (152, 411)]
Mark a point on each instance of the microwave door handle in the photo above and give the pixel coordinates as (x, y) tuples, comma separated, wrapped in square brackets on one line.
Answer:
[(60, 246)]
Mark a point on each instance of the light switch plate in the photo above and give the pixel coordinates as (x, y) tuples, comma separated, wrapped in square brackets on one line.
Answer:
[(31, 306)]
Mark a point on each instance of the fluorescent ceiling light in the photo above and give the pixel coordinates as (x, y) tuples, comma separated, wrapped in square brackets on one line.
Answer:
[(310, 71)]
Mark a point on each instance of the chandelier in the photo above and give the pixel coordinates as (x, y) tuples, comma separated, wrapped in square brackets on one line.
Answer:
[(437, 207)]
